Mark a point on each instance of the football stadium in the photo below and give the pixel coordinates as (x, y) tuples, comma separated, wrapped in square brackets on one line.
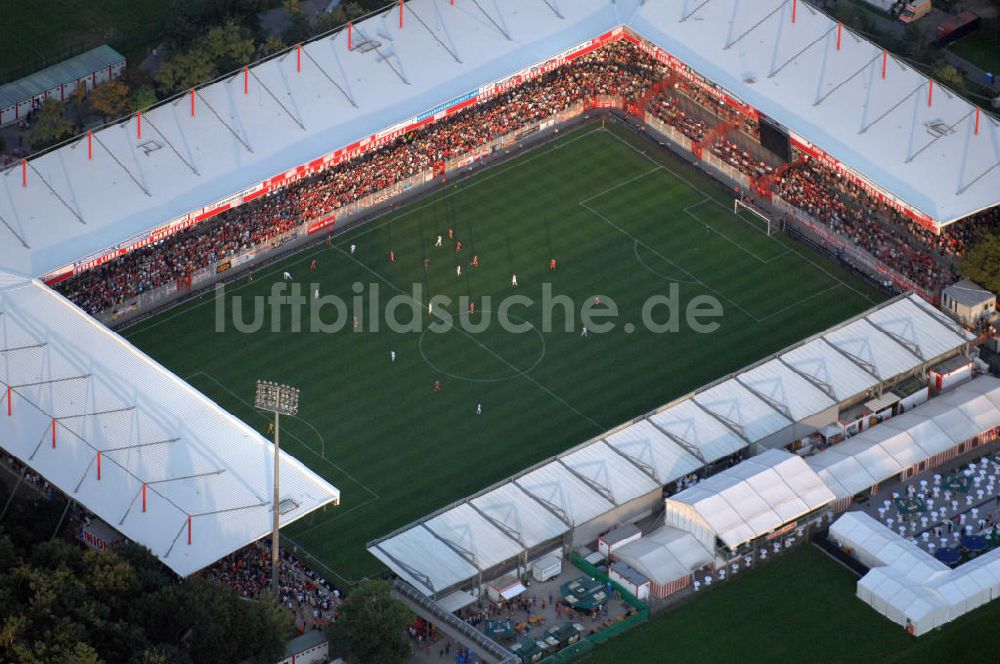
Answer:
[(604, 319)]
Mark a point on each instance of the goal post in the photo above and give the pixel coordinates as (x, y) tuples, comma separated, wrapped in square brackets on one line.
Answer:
[(754, 217)]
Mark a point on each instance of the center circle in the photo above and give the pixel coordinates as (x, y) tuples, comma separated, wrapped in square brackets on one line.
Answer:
[(470, 338)]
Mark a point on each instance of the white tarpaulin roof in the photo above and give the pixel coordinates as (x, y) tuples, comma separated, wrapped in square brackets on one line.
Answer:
[(878, 453), (755, 496), (833, 372), (520, 514), (699, 430), (614, 476), (873, 350), (647, 446), (74, 206), (906, 582), (665, 555), (741, 410), (466, 531), (148, 426), (783, 388)]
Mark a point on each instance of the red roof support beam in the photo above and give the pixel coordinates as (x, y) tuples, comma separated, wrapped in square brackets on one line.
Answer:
[(298, 57), (24, 173), (885, 61), (930, 91), (977, 133), (840, 31), (138, 126), (795, 6), (143, 496), (192, 102), (246, 80), (400, 13), (98, 466), (53, 433), (189, 530), (90, 144), (350, 30), (10, 408)]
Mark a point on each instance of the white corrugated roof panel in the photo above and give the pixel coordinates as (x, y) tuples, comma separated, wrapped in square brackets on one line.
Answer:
[(558, 488), (738, 406), (423, 560), (148, 426), (647, 445), (782, 386), (911, 323), (467, 530), (830, 369), (520, 514), (695, 427), (605, 468), (873, 349)]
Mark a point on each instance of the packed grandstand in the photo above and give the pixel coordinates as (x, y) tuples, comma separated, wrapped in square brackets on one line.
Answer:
[(619, 69)]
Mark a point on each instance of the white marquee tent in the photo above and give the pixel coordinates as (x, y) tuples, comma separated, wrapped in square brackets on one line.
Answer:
[(749, 500), (906, 583), (878, 453), (665, 555)]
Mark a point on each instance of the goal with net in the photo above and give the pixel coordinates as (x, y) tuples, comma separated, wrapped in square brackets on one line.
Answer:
[(752, 216)]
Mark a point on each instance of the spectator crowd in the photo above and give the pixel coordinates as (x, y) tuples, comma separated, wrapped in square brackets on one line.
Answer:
[(618, 69)]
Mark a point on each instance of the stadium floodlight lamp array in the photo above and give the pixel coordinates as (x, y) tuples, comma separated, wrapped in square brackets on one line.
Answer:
[(281, 400), (277, 398)]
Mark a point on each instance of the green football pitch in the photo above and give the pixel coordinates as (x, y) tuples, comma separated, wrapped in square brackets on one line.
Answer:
[(622, 225)]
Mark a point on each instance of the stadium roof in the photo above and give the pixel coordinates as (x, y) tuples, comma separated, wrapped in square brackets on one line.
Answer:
[(878, 453), (67, 71), (755, 496), (636, 458), (883, 129), (101, 420)]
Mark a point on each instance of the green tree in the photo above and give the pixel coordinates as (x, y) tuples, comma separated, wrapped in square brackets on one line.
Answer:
[(220, 50), (143, 98), (949, 76), (273, 44), (49, 126), (981, 263), (372, 625), (111, 99)]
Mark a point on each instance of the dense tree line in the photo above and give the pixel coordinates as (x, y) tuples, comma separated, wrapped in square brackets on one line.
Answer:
[(63, 604)]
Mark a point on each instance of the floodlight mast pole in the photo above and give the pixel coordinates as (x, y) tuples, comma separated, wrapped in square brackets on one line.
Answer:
[(278, 399), (275, 563)]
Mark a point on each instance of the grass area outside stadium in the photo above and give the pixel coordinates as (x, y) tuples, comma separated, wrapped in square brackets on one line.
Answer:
[(621, 224), (797, 608)]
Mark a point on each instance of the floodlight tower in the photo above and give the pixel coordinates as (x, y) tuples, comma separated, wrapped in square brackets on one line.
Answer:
[(280, 400)]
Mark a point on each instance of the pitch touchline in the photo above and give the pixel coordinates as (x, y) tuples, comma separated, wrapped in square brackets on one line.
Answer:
[(480, 344), (642, 262)]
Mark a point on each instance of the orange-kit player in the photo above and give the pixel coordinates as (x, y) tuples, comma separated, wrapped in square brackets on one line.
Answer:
[(392, 256), (437, 386), (552, 264), (475, 261), (472, 307), (458, 246), (451, 234), (312, 266)]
